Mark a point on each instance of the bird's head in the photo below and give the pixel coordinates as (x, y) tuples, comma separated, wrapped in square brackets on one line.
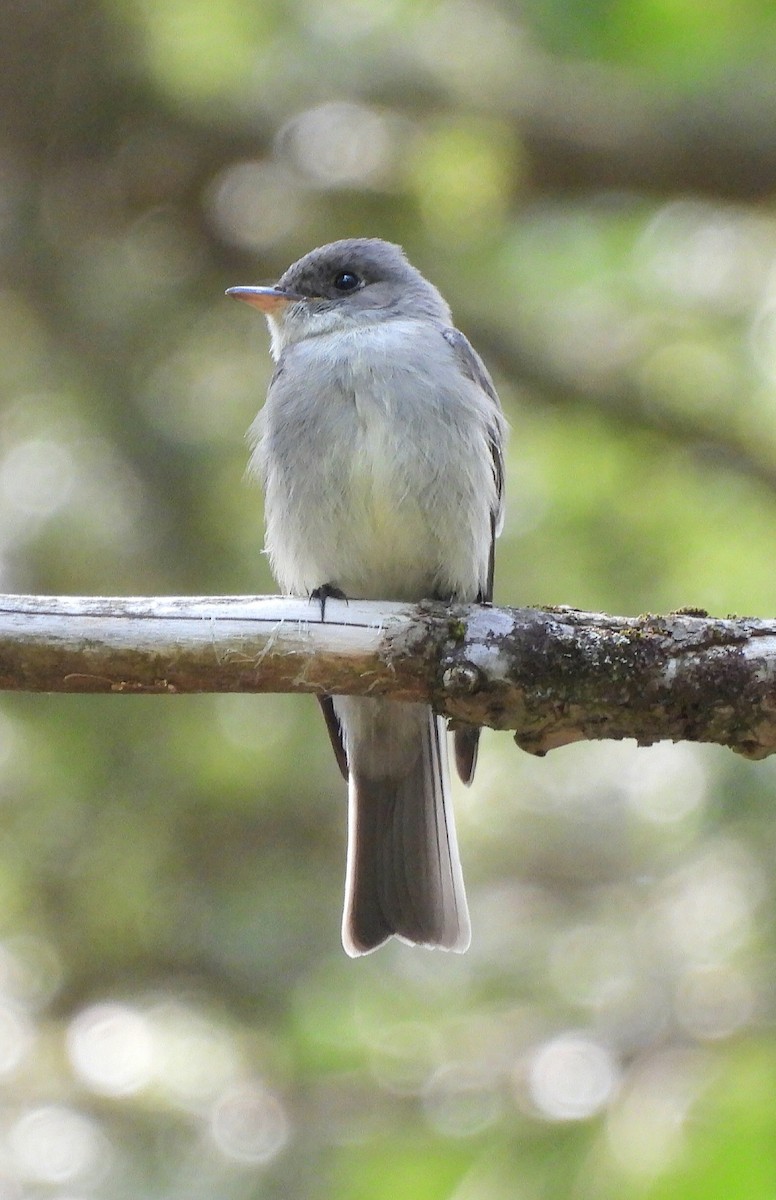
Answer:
[(335, 288)]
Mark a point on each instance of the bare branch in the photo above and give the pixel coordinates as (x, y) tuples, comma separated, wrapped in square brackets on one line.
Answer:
[(553, 675)]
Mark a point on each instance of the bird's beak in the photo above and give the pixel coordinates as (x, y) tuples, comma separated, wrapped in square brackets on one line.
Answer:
[(271, 300)]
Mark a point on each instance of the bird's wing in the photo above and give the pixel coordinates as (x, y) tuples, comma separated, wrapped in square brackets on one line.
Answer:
[(466, 740), (474, 369)]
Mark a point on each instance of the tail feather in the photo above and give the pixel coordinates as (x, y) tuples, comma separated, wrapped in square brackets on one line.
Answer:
[(466, 742), (404, 873)]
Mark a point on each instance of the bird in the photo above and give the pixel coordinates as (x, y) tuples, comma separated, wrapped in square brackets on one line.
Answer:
[(380, 452)]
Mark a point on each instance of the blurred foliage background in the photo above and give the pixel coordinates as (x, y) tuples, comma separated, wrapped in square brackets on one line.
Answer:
[(592, 187)]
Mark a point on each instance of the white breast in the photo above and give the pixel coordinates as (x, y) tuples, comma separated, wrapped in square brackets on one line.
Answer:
[(376, 467)]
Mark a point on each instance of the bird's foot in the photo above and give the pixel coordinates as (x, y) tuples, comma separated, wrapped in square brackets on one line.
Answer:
[(327, 591)]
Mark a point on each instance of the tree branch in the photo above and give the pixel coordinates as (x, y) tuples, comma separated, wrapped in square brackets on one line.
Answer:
[(553, 675), (590, 126), (624, 403)]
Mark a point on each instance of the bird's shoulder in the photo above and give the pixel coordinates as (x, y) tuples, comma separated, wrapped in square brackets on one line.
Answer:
[(469, 361)]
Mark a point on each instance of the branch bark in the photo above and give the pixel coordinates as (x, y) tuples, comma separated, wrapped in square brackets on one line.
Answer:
[(553, 676)]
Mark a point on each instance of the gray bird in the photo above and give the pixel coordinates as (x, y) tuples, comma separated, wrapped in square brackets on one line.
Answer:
[(380, 452)]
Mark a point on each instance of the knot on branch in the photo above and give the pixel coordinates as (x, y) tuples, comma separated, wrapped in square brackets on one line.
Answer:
[(462, 678)]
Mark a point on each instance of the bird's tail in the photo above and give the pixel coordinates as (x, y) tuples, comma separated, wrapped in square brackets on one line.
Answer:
[(403, 874)]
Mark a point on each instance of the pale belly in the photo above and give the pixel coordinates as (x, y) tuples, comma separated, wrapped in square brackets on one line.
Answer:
[(378, 525), (388, 543)]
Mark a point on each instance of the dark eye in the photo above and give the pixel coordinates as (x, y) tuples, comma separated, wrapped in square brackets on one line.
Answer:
[(346, 281)]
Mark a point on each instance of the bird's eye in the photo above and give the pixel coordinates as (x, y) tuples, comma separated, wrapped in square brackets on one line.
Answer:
[(346, 281)]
